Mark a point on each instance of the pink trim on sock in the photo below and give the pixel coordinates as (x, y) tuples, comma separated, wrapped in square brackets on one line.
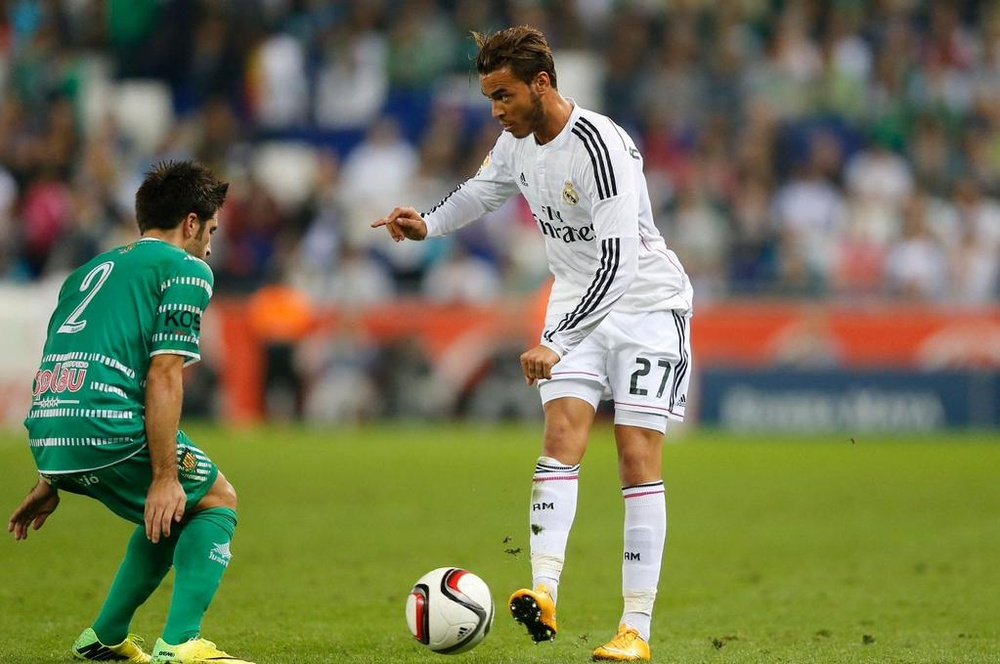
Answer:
[(644, 493)]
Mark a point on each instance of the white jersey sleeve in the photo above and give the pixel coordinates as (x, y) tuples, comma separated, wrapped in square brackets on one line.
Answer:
[(486, 191), (608, 180)]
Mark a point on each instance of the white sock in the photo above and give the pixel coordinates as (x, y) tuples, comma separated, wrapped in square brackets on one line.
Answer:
[(553, 506), (645, 534)]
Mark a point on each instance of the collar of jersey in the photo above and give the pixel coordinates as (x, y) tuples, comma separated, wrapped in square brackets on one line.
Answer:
[(565, 131)]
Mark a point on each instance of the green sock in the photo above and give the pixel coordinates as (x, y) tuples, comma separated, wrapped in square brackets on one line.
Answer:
[(200, 559), (140, 573)]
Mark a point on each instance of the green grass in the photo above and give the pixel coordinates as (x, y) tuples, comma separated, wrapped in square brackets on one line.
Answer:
[(779, 550)]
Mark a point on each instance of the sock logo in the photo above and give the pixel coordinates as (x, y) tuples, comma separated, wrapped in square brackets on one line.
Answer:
[(220, 553), (538, 507), (632, 556)]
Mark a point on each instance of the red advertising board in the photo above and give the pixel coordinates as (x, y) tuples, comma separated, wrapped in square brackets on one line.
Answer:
[(731, 334)]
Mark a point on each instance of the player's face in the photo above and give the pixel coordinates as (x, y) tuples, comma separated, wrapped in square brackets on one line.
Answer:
[(199, 240), (516, 105)]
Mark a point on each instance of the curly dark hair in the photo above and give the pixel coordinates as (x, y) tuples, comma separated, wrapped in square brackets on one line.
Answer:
[(174, 189)]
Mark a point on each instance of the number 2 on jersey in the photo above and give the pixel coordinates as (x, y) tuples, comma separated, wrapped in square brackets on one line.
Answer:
[(99, 274)]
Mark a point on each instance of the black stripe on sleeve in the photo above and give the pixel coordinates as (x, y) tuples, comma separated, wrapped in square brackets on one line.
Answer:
[(443, 200), (605, 166), (593, 160), (607, 155), (615, 258), (591, 290), (598, 288), (595, 287)]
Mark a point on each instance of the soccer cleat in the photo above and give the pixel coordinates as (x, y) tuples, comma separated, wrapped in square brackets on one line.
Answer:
[(535, 610), (88, 646), (195, 651), (627, 646)]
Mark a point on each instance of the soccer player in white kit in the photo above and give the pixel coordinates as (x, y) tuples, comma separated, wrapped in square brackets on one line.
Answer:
[(617, 323)]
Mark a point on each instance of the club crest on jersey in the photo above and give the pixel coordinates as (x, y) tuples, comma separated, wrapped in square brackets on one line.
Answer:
[(569, 193), (189, 462)]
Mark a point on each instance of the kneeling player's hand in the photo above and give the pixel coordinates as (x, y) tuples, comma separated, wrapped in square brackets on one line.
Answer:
[(33, 510), (537, 363), (165, 504)]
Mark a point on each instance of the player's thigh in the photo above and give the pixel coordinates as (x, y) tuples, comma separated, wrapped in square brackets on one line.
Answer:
[(649, 367), (123, 486), (221, 494), (579, 382)]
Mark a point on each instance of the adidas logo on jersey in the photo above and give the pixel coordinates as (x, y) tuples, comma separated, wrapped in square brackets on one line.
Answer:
[(524, 180)]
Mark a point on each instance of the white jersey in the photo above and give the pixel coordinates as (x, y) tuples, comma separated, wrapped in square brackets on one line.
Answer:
[(588, 195)]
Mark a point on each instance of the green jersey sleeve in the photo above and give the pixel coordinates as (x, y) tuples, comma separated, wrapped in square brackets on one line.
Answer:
[(184, 296)]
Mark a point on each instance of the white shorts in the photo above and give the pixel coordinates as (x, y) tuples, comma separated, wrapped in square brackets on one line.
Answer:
[(641, 361)]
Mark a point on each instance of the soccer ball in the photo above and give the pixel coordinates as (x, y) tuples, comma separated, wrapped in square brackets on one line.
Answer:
[(449, 610)]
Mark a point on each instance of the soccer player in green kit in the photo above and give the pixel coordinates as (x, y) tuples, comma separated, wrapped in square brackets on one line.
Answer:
[(105, 413)]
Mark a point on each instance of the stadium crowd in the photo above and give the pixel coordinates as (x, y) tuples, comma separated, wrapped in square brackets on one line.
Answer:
[(840, 148)]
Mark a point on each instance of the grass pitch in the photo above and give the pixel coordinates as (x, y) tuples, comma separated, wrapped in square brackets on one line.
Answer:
[(819, 550)]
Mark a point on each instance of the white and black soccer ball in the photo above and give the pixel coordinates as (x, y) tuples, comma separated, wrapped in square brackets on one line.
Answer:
[(449, 610)]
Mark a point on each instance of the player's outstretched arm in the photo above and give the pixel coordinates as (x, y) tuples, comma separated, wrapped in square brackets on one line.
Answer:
[(41, 501), (403, 223)]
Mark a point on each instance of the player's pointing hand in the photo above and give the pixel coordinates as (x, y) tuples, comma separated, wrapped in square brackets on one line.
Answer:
[(403, 223)]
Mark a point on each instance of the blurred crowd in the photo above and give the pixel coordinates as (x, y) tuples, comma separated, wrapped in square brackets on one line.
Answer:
[(843, 149)]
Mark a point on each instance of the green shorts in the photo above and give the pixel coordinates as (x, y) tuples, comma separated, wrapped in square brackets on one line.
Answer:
[(122, 487)]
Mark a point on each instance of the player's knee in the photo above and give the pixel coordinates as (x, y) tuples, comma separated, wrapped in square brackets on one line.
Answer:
[(640, 455), (222, 494), (564, 441), (635, 467), (229, 496)]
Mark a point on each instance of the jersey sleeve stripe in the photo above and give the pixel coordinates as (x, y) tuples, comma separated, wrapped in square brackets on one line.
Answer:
[(607, 155), (616, 252), (443, 200), (591, 290), (187, 281), (598, 173), (602, 282)]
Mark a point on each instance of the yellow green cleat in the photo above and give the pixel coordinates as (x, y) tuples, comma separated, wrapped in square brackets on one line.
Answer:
[(195, 651), (88, 647)]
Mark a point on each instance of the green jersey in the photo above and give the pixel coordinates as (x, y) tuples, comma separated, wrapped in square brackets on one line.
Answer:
[(114, 314)]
